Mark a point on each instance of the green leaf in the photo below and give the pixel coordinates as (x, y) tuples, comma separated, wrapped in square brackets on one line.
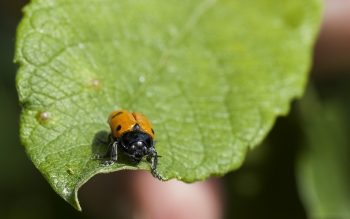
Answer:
[(323, 168), (210, 75)]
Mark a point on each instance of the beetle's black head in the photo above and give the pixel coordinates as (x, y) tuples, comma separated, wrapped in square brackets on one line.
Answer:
[(136, 144), (138, 150)]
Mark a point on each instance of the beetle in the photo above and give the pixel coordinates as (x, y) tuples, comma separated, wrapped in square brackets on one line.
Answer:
[(132, 134)]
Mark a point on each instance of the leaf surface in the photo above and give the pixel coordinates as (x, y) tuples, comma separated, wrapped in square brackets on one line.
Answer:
[(211, 76)]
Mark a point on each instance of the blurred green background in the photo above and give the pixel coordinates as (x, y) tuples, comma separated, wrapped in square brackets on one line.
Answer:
[(265, 187)]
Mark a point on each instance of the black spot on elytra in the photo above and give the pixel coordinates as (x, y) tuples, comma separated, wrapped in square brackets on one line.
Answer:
[(118, 113), (118, 127), (152, 131)]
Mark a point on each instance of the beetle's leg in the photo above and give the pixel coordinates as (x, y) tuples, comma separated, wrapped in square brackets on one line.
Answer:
[(109, 148), (110, 138), (149, 158), (155, 160), (108, 153), (156, 174), (112, 148), (153, 154), (150, 155), (102, 141)]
